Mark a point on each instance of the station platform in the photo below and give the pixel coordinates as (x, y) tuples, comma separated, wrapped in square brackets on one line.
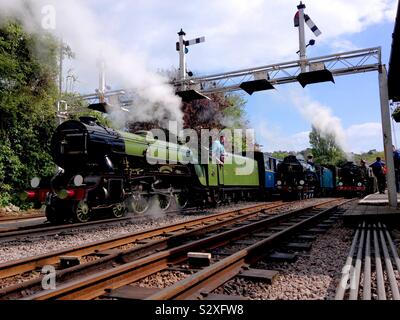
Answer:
[(377, 199), (373, 208)]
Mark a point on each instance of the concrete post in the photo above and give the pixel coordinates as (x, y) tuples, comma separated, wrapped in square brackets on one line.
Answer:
[(387, 136)]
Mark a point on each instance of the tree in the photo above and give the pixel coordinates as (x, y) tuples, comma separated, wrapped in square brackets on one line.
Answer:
[(28, 91), (221, 111), (324, 148)]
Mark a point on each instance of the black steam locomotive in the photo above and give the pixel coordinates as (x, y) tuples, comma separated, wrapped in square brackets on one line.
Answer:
[(355, 180), (296, 178)]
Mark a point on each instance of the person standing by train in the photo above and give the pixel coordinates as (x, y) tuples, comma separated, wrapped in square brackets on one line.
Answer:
[(218, 150), (378, 171), (364, 170), (310, 163)]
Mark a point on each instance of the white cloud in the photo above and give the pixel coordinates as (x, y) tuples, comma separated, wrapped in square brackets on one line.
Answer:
[(341, 45), (238, 33), (274, 138), (360, 137), (241, 33), (365, 136)]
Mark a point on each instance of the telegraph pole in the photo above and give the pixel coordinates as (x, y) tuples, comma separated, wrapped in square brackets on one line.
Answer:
[(60, 72), (102, 80), (302, 37), (182, 58), (387, 136), (181, 46)]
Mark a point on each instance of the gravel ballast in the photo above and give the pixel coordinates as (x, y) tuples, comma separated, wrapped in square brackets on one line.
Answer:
[(18, 249), (314, 276)]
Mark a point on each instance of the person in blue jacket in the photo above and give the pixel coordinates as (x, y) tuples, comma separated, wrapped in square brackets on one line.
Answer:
[(377, 169), (396, 159)]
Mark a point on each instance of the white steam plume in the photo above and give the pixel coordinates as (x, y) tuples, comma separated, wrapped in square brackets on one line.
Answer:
[(90, 38), (321, 117)]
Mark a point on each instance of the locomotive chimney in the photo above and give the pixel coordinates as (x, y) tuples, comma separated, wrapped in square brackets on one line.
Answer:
[(91, 121)]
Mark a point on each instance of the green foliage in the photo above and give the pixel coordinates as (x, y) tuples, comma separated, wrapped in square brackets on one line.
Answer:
[(324, 148), (369, 156), (28, 91), (280, 154), (234, 115)]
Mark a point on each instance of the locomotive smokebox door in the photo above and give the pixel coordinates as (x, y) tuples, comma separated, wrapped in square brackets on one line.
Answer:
[(115, 189)]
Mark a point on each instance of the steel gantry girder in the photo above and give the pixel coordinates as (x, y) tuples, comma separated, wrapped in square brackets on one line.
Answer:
[(358, 61)]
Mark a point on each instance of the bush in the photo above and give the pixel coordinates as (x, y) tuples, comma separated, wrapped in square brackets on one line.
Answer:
[(28, 93)]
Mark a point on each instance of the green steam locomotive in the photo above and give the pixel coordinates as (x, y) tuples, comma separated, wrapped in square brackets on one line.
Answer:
[(104, 170)]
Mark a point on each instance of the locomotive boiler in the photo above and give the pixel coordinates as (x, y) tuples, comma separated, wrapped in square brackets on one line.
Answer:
[(104, 170)]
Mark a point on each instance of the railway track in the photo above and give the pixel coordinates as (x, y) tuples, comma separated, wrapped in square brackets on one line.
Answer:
[(369, 272), (28, 264), (10, 224), (116, 270), (48, 230), (20, 218), (45, 229)]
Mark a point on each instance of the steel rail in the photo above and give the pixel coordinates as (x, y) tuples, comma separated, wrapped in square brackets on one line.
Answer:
[(28, 264), (367, 268), (22, 232), (355, 281), (215, 275), (389, 267), (378, 265), (13, 233), (19, 218), (347, 269), (92, 286), (378, 238), (39, 230), (393, 249)]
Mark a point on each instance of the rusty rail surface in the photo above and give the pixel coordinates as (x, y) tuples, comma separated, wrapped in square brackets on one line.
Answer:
[(20, 218), (95, 285), (31, 263), (212, 277)]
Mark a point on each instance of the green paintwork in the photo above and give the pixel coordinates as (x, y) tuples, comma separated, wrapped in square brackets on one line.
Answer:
[(240, 172), (234, 173), (156, 150), (231, 174), (212, 175), (135, 145), (201, 174)]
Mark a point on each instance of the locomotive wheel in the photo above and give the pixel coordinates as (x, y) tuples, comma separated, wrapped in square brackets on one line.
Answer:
[(139, 203), (81, 211), (164, 201), (300, 195), (119, 210), (217, 198), (182, 199)]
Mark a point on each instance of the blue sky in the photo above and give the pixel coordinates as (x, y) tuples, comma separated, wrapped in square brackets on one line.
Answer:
[(138, 37), (353, 99)]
